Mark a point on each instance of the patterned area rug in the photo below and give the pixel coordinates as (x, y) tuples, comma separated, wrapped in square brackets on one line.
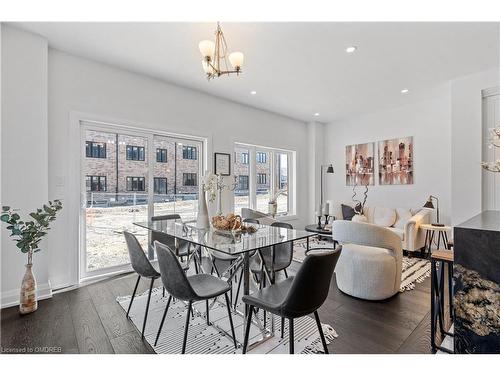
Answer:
[(216, 339), (414, 270)]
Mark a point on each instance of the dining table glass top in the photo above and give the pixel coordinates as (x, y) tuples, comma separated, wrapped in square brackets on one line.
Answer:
[(227, 242)]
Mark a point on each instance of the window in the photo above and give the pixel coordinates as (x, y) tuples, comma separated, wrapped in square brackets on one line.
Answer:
[(161, 155), (160, 185), (136, 184), (189, 152), (269, 174), (189, 179), (95, 183), (135, 153), (261, 157), (95, 149), (243, 183), (261, 178)]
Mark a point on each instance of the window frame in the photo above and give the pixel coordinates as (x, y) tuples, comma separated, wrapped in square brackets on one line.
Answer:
[(91, 148), (247, 182), (273, 176), (132, 183), (138, 153), (189, 152), (261, 157), (157, 179), (163, 151), (245, 158), (191, 174), (91, 178)]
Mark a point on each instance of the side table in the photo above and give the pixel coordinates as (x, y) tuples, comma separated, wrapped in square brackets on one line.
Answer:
[(430, 232)]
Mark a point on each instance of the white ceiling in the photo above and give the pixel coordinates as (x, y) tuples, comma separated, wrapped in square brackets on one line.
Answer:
[(297, 69)]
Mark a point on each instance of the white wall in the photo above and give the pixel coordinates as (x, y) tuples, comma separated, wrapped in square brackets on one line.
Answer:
[(76, 84), (24, 150), (466, 143), (429, 123), (315, 146)]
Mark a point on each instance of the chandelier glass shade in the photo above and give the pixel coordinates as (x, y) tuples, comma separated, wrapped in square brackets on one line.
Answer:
[(494, 142), (215, 57)]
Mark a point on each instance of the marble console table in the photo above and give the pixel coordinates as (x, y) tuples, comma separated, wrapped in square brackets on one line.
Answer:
[(476, 275)]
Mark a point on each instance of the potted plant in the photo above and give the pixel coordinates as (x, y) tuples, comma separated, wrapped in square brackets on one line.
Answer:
[(28, 234)]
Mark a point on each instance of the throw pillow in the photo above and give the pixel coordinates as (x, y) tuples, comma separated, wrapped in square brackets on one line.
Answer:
[(384, 216), (348, 212), (402, 216)]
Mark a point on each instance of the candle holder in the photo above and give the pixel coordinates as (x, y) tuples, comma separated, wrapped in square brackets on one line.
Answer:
[(326, 219), (319, 222)]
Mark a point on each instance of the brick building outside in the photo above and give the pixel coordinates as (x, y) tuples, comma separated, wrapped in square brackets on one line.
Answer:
[(176, 166)]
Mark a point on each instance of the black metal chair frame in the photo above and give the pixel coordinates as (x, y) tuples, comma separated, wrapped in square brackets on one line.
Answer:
[(145, 269), (301, 275), (180, 287)]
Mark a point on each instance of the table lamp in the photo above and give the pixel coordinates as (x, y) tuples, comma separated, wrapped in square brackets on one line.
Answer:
[(430, 205)]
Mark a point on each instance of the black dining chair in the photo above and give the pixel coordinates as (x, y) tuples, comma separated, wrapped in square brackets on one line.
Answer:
[(199, 287), (283, 256), (141, 265), (182, 248), (297, 296)]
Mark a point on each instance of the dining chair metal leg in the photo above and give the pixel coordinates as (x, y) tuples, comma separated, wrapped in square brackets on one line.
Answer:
[(239, 287), (321, 333), (163, 319), (133, 294), (282, 327), (247, 329), (286, 273), (188, 316), (228, 304), (291, 335), (207, 312), (163, 292), (147, 307)]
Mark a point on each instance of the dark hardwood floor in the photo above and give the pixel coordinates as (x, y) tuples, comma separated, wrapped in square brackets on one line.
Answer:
[(89, 320)]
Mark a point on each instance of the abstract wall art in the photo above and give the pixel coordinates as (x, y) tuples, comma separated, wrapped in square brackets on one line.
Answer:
[(360, 164), (395, 161)]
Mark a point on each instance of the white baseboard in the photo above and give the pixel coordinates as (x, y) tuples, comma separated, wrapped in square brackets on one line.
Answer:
[(11, 297)]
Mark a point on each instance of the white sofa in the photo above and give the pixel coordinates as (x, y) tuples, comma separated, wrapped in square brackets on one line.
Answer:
[(404, 222), (370, 264)]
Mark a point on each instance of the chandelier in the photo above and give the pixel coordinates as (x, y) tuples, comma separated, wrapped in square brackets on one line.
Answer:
[(494, 141), (215, 56)]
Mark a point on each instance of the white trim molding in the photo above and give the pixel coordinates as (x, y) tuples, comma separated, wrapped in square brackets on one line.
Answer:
[(11, 297)]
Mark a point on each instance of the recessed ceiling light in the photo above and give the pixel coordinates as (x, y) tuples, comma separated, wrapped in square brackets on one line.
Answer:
[(404, 91), (351, 49), (316, 114), (253, 92)]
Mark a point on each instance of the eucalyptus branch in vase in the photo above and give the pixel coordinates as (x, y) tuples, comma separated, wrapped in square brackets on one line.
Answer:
[(494, 141)]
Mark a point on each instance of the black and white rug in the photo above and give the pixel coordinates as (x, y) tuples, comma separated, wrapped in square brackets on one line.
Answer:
[(216, 339), (414, 270)]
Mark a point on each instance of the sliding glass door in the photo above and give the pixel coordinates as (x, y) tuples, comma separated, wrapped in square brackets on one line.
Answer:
[(128, 176)]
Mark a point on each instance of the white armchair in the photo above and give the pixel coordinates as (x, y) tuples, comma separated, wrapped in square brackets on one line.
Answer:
[(371, 260)]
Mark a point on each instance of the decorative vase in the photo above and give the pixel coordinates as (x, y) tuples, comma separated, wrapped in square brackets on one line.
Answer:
[(272, 208), (202, 221), (28, 302)]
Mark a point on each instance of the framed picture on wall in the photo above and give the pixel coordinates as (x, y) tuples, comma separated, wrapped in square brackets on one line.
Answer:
[(359, 164), (222, 164), (395, 158)]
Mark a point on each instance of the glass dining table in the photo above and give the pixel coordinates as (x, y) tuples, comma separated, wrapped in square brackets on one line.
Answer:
[(241, 245)]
